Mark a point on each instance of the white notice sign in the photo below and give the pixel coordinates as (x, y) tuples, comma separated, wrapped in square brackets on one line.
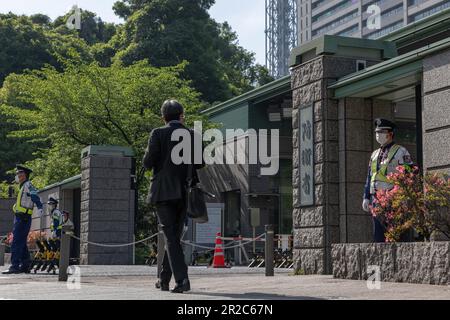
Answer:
[(206, 233)]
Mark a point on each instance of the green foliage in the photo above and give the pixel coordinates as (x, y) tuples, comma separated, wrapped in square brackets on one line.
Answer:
[(4, 190), (28, 43), (89, 104), (93, 29), (24, 45), (167, 32)]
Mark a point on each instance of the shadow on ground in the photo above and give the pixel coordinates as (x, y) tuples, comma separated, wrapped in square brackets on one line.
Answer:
[(252, 296)]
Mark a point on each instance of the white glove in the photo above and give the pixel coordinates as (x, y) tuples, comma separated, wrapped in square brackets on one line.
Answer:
[(54, 236), (366, 205), (40, 213)]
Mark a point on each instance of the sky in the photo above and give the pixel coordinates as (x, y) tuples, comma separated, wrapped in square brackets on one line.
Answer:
[(245, 16)]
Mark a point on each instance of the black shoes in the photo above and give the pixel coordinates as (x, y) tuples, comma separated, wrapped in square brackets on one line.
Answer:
[(162, 285), (11, 271), (26, 270), (182, 286)]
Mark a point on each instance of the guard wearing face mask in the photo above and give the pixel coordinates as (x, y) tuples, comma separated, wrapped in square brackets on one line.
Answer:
[(56, 216), (383, 161), (27, 199)]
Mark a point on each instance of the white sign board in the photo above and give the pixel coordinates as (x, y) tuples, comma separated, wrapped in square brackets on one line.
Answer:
[(205, 233)]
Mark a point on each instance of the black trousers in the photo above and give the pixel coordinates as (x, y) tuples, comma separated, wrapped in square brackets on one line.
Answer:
[(171, 216)]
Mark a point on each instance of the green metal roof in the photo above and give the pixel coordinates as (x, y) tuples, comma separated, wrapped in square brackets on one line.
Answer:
[(386, 71), (71, 182), (420, 29), (266, 91), (344, 46)]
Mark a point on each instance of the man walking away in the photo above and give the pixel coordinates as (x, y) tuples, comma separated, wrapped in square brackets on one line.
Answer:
[(168, 194)]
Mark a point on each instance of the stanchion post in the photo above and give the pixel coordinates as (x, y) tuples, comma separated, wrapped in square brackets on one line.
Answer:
[(2, 254), (161, 249), (64, 253), (269, 251)]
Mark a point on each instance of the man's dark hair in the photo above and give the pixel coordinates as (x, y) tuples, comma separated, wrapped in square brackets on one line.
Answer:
[(171, 110)]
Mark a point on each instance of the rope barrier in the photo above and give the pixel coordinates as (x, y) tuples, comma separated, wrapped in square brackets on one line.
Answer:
[(112, 245), (225, 247)]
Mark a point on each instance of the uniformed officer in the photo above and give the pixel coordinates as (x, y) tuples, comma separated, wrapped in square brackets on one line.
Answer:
[(27, 198), (57, 218), (383, 161)]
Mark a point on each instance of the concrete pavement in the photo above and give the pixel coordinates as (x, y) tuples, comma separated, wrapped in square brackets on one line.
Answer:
[(137, 283)]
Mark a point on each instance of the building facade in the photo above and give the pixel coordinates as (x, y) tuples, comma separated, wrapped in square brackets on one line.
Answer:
[(352, 18), (338, 86)]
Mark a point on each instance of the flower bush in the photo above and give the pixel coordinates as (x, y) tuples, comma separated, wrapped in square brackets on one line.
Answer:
[(415, 201)]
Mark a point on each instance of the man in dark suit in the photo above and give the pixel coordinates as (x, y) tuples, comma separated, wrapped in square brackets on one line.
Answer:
[(168, 194)]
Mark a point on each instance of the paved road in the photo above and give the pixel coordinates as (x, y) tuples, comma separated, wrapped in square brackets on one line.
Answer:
[(125, 283)]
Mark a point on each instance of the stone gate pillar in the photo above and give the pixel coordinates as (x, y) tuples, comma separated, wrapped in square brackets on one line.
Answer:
[(107, 205), (316, 65)]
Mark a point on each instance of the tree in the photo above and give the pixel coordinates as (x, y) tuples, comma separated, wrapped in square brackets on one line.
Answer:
[(167, 32), (28, 43), (88, 104), (93, 29), (24, 45)]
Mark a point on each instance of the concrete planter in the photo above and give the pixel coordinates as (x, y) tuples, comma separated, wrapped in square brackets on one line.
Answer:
[(420, 262)]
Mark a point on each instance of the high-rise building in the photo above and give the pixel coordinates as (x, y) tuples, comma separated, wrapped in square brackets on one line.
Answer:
[(370, 19)]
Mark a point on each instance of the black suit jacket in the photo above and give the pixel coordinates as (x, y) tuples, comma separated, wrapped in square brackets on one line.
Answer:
[(169, 180)]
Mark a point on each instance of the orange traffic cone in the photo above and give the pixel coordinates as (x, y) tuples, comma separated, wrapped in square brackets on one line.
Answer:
[(219, 259)]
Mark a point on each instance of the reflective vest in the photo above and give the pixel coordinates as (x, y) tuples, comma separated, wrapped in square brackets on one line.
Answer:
[(56, 216), (381, 174), (23, 202)]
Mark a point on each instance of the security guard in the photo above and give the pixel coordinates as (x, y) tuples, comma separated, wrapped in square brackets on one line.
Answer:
[(57, 218), (23, 210), (383, 161)]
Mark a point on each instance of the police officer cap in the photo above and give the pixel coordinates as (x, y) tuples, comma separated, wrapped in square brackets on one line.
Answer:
[(52, 200), (383, 124), (20, 168)]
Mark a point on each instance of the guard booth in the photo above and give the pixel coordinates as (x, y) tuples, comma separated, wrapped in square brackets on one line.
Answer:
[(340, 85), (68, 193)]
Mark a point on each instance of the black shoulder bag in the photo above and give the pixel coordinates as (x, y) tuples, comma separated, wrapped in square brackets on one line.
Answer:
[(196, 204)]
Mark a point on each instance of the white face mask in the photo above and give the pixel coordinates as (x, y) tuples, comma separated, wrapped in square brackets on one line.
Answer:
[(16, 179), (382, 138)]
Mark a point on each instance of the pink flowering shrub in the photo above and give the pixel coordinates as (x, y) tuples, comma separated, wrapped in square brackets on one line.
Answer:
[(415, 201)]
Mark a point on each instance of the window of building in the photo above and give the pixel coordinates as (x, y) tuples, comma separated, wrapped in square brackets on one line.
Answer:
[(377, 3), (318, 4), (431, 11), (393, 11), (349, 31), (332, 10), (413, 3), (336, 23), (385, 30)]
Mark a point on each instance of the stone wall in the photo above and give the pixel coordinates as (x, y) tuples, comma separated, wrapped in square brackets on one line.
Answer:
[(107, 209), (6, 216), (356, 144), (317, 227), (436, 110), (425, 263)]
